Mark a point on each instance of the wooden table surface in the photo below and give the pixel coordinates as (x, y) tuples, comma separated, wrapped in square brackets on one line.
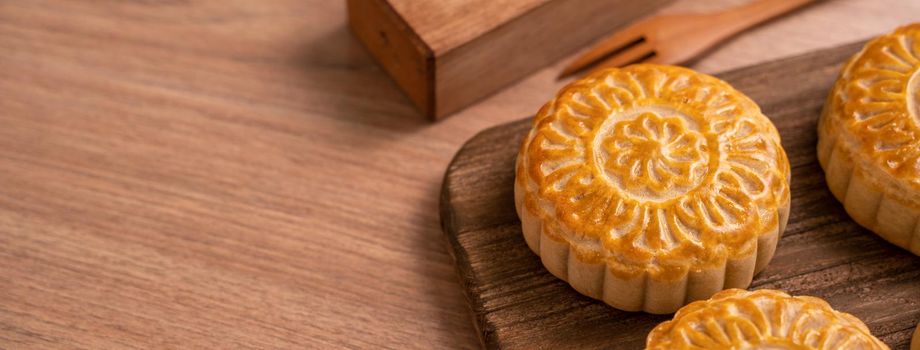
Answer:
[(240, 174)]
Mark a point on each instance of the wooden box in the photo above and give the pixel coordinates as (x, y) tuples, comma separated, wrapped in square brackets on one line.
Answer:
[(448, 54)]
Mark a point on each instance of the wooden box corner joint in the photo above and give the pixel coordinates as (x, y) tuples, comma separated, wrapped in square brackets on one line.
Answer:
[(446, 55)]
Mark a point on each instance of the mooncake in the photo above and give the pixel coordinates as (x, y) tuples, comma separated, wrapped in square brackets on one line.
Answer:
[(869, 137), (651, 186), (762, 319)]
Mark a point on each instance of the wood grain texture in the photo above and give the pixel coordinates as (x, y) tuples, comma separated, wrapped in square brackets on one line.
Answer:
[(241, 174), (447, 25), (448, 54), (518, 304), (396, 47), (519, 47)]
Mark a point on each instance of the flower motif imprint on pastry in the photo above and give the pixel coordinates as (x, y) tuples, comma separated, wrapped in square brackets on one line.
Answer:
[(653, 156), (880, 101), (763, 319), (661, 164)]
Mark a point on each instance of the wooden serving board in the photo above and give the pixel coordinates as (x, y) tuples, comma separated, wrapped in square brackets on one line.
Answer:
[(518, 304)]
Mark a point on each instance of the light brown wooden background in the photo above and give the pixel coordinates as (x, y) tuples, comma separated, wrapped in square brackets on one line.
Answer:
[(239, 174)]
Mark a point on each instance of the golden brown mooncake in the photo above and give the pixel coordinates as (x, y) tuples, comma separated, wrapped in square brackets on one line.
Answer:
[(649, 187), (762, 319), (869, 137)]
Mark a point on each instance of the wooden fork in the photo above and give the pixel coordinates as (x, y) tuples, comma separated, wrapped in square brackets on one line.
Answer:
[(672, 39)]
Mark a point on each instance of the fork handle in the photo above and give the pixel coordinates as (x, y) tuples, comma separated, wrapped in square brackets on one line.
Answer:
[(757, 12)]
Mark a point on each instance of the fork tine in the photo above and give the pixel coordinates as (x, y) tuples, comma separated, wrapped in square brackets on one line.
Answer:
[(638, 53), (622, 40)]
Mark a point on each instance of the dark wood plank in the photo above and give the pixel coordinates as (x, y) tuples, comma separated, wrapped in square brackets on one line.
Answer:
[(517, 304)]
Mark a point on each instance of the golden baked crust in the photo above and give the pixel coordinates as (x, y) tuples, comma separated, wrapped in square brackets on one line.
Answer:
[(738, 319), (869, 137), (654, 172)]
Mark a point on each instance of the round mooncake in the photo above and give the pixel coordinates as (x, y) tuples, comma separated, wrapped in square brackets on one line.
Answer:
[(762, 319), (869, 137), (649, 187)]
